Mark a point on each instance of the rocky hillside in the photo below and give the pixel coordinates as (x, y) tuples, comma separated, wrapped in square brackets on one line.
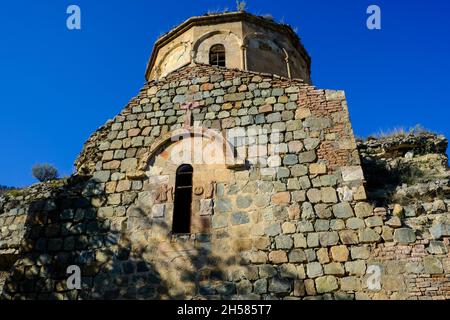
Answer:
[(408, 173)]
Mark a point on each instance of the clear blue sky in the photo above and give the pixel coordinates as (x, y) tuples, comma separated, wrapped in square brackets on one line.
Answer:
[(58, 86)]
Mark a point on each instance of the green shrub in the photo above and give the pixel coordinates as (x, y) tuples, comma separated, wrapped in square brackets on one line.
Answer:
[(45, 172)]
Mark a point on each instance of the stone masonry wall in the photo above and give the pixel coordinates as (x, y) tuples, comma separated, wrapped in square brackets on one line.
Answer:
[(292, 223)]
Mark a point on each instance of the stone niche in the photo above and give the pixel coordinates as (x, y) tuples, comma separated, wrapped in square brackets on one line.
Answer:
[(210, 164)]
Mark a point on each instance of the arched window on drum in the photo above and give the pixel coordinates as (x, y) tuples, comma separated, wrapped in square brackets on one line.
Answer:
[(217, 56)]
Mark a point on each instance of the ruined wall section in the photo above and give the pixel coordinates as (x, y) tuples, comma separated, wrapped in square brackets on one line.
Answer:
[(408, 180)]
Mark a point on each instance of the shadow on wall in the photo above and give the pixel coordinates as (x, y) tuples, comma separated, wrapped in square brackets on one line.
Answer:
[(64, 229), (384, 179)]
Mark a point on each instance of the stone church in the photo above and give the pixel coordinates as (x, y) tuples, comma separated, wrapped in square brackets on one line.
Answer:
[(229, 176)]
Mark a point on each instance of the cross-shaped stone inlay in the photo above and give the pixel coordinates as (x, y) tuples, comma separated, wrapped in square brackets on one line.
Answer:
[(188, 121)]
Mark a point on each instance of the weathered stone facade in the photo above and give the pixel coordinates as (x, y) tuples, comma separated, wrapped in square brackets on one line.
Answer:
[(282, 212)]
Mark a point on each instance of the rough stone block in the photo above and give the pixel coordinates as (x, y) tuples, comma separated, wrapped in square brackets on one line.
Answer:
[(350, 283), (259, 257), (322, 255), (314, 270), (398, 210), (387, 233), (289, 271), (433, 265), (360, 253), (342, 210), (329, 195), (356, 268), (297, 255), (305, 226), (267, 271), (284, 242), (317, 168), (313, 240), (128, 164), (363, 210), (280, 285), (307, 211), (158, 210), (302, 113), (260, 286), (315, 123), (326, 284), (339, 253), (368, 236), (334, 268), (437, 247), (278, 257), (372, 222), (307, 157), (273, 230), (323, 211), (352, 173), (293, 184), (440, 230), (355, 223), (414, 268), (304, 182), (321, 225), (299, 288), (239, 218), (288, 228), (123, 185), (394, 222), (314, 195), (310, 287), (404, 236), (393, 283), (102, 176), (328, 239), (281, 198), (219, 221), (105, 212), (300, 241), (262, 243), (244, 202), (299, 170)]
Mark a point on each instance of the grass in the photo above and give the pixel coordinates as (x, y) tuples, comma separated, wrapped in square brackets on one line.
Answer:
[(14, 193), (211, 12), (417, 130)]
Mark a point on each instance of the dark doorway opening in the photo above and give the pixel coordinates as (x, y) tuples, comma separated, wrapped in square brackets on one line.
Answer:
[(183, 200)]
